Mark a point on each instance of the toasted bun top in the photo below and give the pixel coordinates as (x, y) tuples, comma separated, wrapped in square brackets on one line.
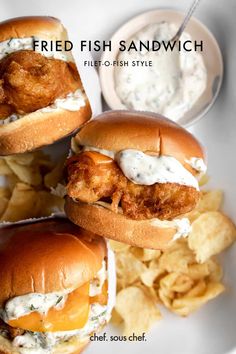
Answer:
[(147, 132), (44, 27), (46, 257)]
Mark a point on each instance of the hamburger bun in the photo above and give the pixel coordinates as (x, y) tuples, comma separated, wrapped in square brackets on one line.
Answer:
[(76, 347), (44, 27), (47, 256), (37, 129), (146, 132), (140, 233)]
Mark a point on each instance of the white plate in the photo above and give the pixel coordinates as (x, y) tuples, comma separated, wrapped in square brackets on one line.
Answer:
[(212, 329), (211, 55)]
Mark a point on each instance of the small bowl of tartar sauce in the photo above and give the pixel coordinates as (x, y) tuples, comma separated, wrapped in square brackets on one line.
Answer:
[(142, 73)]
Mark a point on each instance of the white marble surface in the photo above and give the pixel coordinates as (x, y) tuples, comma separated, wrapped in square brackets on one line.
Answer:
[(212, 329)]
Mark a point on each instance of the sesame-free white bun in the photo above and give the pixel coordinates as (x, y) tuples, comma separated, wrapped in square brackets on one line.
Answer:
[(144, 131), (98, 218), (44, 27), (39, 129), (47, 256)]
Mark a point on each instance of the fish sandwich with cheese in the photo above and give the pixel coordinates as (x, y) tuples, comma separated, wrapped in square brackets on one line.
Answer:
[(132, 178), (42, 98), (57, 287)]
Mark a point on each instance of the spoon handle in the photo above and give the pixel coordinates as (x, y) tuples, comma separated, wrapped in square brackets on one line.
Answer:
[(186, 19)]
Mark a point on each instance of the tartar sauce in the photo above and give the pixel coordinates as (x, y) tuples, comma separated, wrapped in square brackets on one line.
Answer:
[(25, 304), (97, 283), (72, 102), (15, 44), (144, 169), (197, 164), (182, 226), (39, 342), (173, 83), (147, 170)]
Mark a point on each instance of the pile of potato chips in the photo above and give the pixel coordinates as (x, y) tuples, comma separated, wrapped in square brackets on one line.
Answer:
[(182, 278), (26, 184)]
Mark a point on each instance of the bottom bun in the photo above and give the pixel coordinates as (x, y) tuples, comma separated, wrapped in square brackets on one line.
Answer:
[(76, 347), (104, 222), (40, 129)]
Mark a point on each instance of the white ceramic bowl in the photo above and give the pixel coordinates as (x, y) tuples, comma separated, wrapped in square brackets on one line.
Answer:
[(211, 55)]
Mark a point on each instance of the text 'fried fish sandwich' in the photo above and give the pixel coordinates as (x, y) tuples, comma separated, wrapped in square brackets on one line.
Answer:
[(42, 98), (57, 287), (132, 177)]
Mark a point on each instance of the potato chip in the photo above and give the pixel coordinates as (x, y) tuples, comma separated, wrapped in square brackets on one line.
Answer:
[(43, 161), (211, 233), (12, 180), (129, 268), (47, 204), (145, 255), (149, 275), (177, 257), (176, 282), (4, 168), (21, 204), (216, 272), (116, 319), (3, 205), (53, 177), (5, 192), (198, 271), (149, 291), (119, 246), (137, 309), (203, 180), (25, 159), (210, 201), (192, 215), (191, 302), (33, 174), (26, 174)]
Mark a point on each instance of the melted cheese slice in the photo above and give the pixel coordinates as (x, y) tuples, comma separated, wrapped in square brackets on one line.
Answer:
[(74, 314), (98, 158), (101, 298)]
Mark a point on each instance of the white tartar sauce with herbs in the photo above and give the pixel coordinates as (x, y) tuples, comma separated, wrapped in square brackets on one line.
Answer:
[(147, 169), (15, 44), (174, 82), (25, 304), (43, 343)]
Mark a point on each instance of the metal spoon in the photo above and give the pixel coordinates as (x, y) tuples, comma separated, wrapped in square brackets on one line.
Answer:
[(186, 20)]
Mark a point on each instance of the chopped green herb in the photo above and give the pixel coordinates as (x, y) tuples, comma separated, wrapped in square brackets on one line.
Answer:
[(32, 308), (59, 300), (97, 317)]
